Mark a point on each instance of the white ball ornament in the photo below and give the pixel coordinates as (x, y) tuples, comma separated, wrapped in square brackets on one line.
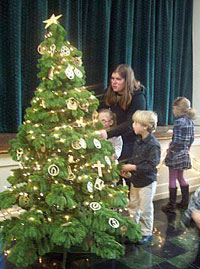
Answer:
[(83, 143), (65, 51), (69, 72), (78, 73), (90, 186), (97, 143), (95, 206), (53, 170), (108, 161), (114, 223)]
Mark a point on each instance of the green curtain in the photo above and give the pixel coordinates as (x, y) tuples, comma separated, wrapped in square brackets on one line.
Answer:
[(153, 36)]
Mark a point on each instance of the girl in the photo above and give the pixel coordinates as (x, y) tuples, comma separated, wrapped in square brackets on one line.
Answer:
[(178, 158), (108, 119)]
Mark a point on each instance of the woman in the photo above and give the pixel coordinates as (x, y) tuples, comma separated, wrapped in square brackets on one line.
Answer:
[(124, 96)]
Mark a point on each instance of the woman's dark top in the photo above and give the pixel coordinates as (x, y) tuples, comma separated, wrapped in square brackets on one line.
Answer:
[(124, 117)]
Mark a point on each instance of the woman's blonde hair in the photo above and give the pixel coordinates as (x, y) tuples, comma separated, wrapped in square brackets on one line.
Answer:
[(185, 107), (131, 85), (112, 115), (147, 118)]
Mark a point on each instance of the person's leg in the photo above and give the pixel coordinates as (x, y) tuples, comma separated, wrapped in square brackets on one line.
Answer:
[(171, 206), (184, 190), (133, 206), (146, 195)]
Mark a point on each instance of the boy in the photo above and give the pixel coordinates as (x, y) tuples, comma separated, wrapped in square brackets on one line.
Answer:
[(142, 165)]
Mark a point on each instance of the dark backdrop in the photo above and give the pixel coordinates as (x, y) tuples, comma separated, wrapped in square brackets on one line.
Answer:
[(153, 36)]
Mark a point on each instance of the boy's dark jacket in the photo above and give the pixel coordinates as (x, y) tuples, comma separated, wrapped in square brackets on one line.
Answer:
[(146, 157)]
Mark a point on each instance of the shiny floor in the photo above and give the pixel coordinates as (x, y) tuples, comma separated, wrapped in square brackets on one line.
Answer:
[(172, 247)]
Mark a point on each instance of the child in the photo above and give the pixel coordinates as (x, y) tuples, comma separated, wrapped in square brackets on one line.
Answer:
[(178, 158), (192, 214), (142, 165), (108, 119)]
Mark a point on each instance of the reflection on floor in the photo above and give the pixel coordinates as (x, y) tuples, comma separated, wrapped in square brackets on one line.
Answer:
[(172, 247)]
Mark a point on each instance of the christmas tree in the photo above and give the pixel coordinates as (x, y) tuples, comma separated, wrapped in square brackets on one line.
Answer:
[(64, 185)]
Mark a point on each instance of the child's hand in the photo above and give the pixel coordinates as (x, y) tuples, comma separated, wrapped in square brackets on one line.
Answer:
[(103, 134), (125, 174)]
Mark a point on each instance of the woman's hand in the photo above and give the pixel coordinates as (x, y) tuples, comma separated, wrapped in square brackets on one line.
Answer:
[(129, 167), (103, 134)]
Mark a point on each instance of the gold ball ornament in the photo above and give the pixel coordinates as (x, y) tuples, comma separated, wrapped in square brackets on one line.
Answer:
[(123, 229), (72, 103), (42, 49), (76, 144), (77, 60), (51, 73), (43, 149), (19, 153), (95, 117), (84, 107), (24, 201)]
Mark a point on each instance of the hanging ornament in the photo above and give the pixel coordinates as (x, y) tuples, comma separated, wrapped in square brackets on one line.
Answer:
[(78, 73), (71, 176), (90, 186), (43, 104), (99, 166), (76, 144), (79, 123), (52, 49), (95, 117), (42, 49), (83, 143), (72, 103), (123, 229), (114, 223), (77, 60), (65, 51), (69, 72), (95, 206), (43, 149), (108, 161), (19, 153), (53, 170), (24, 201), (124, 182), (99, 184), (50, 74), (71, 159), (84, 107), (97, 143)]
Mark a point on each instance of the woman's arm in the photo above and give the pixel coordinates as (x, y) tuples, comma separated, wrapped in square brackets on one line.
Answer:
[(138, 103)]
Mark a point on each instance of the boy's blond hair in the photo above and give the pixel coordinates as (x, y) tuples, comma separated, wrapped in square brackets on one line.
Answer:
[(147, 118)]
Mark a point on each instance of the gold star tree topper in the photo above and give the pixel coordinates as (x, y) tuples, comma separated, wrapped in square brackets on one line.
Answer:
[(53, 19)]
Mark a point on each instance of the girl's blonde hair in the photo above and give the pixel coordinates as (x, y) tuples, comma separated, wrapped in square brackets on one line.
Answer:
[(147, 118), (112, 115), (185, 107), (131, 85)]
